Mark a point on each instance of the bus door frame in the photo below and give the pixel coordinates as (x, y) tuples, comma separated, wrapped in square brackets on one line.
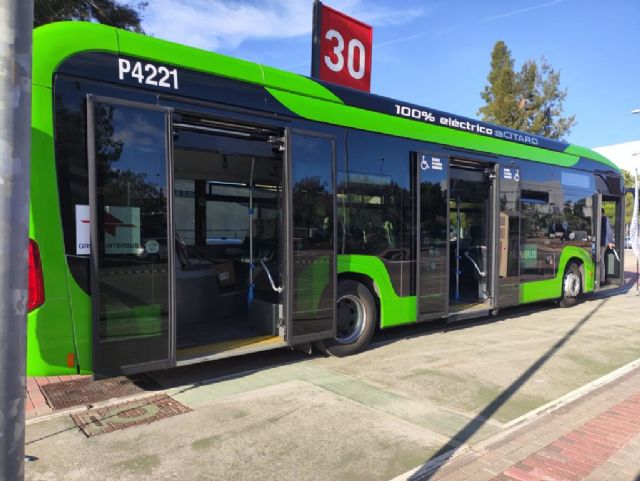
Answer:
[(170, 359), (423, 166), (618, 234), (303, 340), (502, 177), (596, 253)]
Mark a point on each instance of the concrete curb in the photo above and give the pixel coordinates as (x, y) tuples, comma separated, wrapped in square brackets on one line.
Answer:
[(515, 424)]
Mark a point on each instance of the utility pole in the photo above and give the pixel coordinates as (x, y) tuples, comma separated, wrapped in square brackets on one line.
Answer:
[(16, 26)]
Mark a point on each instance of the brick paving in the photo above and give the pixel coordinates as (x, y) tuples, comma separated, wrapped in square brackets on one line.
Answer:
[(35, 402), (128, 414), (86, 391), (595, 438)]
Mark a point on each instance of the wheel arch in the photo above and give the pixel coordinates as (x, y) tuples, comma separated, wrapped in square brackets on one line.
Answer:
[(585, 263), (393, 310)]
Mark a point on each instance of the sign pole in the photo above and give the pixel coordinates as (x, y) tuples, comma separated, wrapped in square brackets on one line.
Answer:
[(633, 231), (16, 25), (315, 39)]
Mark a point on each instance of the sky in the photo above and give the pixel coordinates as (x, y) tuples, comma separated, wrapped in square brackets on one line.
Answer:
[(436, 53)]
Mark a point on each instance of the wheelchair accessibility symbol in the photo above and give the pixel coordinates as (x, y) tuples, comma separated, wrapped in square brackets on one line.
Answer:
[(424, 165)]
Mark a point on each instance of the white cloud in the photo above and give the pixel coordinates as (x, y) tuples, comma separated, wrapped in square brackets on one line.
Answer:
[(521, 11), (225, 24)]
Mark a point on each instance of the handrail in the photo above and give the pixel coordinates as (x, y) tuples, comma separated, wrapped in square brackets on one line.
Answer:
[(466, 254), (273, 284)]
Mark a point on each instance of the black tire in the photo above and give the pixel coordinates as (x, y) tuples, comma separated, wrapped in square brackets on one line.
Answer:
[(357, 317), (571, 285)]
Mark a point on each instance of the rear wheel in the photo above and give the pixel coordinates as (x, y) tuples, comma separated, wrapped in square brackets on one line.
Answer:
[(356, 320), (571, 285)]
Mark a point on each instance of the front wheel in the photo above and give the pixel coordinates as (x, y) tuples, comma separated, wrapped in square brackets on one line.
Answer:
[(356, 320), (571, 285)]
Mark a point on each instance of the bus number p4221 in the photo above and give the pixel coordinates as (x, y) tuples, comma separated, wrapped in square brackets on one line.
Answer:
[(148, 73)]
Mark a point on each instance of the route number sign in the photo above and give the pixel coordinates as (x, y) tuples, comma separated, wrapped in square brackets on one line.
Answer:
[(342, 49)]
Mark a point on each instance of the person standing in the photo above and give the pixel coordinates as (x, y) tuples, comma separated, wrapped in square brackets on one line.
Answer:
[(606, 242)]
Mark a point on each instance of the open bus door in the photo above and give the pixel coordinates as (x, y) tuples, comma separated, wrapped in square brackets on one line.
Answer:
[(130, 211), (310, 239), (506, 246), (432, 277), (611, 261)]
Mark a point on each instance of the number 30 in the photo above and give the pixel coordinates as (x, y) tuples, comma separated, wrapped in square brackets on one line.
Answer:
[(338, 49)]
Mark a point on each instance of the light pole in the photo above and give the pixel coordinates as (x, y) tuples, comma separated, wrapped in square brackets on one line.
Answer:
[(634, 221), (16, 24)]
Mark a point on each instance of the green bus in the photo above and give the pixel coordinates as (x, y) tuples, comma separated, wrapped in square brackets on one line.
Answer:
[(188, 206)]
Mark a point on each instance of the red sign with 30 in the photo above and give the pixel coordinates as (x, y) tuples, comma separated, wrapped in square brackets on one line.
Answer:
[(343, 50)]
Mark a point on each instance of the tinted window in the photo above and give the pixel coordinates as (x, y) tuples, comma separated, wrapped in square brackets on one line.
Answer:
[(540, 225), (313, 252), (132, 275), (71, 146), (376, 198)]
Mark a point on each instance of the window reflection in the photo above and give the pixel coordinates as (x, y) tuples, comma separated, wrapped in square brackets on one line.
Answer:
[(376, 199), (313, 250)]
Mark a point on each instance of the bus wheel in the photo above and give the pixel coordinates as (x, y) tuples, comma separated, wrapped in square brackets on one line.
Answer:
[(571, 285), (356, 318)]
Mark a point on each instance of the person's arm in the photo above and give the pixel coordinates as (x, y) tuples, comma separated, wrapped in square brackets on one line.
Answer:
[(609, 239)]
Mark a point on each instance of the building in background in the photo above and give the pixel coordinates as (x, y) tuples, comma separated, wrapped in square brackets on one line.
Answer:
[(625, 155)]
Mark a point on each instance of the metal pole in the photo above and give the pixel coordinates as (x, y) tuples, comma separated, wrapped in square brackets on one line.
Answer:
[(251, 291), (16, 24), (458, 248)]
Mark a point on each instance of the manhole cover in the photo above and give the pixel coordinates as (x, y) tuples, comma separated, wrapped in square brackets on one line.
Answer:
[(126, 415), (61, 395)]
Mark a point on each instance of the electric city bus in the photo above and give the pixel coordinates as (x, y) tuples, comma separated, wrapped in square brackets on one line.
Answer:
[(188, 206)]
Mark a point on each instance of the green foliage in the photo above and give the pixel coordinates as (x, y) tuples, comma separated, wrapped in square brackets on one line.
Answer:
[(109, 12), (629, 181), (529, 100)]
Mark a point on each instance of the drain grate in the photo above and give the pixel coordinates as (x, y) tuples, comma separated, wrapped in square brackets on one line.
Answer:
[(65, 394), (128, 414)]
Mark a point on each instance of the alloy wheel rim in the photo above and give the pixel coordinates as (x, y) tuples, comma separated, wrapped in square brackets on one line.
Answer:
[(572, 284)]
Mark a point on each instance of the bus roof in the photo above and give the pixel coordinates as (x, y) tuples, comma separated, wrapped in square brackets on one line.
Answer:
[(305, 97)]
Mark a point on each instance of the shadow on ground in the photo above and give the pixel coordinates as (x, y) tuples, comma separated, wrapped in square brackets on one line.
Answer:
[(427, 471)]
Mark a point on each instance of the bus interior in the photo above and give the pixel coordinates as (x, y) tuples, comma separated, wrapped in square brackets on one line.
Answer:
[(228, 204), (469, 214)]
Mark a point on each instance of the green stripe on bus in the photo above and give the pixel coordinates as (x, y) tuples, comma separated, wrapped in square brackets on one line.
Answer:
[(344, 115), (394, 310), (54, 43), (546, 289), (590, 154)]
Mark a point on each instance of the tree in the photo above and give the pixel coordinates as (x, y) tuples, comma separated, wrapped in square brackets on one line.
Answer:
[(109, 12), (501, 93), (529, 100)]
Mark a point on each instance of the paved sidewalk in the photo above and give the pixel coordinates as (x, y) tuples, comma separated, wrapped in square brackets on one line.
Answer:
[(484, 390), (595, 438), (35, 403)]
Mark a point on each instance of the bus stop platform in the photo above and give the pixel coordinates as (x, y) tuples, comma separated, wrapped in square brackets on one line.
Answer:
[(537, 393)]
